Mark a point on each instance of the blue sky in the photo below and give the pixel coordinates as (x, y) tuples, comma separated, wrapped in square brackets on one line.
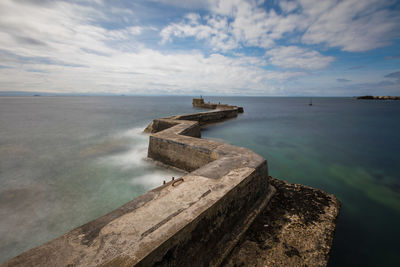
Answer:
[(232, 47)]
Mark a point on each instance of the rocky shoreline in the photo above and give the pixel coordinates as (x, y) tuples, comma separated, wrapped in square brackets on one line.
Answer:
[(370, 97), (296, 229)]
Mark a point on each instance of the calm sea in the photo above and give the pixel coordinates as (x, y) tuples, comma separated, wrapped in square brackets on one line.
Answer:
[(67, 160)]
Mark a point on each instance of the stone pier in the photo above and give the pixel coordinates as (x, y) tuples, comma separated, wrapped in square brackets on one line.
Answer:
[(208, 217)]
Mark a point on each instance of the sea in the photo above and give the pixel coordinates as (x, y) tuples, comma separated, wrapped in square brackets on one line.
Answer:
[(66, 160)]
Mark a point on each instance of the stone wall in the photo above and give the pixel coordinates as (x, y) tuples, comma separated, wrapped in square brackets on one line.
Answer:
[(199, 103), (195, 220), (225, 211), (210, 237)]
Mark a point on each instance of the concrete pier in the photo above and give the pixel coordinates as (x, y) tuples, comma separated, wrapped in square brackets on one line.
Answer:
[(200, 219)]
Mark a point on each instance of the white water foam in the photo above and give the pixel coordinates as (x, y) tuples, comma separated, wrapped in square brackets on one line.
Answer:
[(135, 155), (144, 173)]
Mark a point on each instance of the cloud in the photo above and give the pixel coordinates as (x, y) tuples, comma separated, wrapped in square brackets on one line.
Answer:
[(125, 33), (374, 88), (78, 55), (342, 80), (187, 4), (86, 46), (28, 40), (35, 2), (347, 89), (144, 71), (234, 24), (215, 32), (288, 6), (351, 25), (394, 75), (296, 57), (34, 70), (49, 30), (392, 57), (357, 67)]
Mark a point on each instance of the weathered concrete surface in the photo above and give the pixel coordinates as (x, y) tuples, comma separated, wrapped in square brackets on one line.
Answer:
[(180, 146), (199, 103), (197, 220), (295, 229), (193, 221)]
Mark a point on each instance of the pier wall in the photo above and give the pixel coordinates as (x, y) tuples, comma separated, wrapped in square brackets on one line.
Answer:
[(226, 211), (195, 220), (210, 237)]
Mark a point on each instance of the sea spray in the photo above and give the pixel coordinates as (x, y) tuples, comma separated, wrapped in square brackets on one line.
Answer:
[(144, 173), (67, 160)]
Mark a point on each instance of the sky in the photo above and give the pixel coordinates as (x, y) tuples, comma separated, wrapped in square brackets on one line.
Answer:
[(201, 47)]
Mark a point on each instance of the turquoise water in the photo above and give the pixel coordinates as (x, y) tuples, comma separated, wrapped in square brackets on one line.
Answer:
[(67, 160), (344, 146)]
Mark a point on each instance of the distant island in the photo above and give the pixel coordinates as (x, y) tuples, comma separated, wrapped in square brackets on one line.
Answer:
[(379, 97)]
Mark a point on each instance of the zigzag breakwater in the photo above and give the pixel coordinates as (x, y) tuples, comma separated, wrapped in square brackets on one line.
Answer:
[(205, 218)]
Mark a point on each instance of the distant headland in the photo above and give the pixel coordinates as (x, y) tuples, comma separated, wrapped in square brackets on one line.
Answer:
[(370, 97)]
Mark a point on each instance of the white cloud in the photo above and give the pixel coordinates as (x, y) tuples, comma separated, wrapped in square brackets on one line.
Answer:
[(351, 25), (233, 24), (297, 57), (123, 34), (61, 46), (215, 32), (187, 4), (57, 48), (150, 71), (288, 6)]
